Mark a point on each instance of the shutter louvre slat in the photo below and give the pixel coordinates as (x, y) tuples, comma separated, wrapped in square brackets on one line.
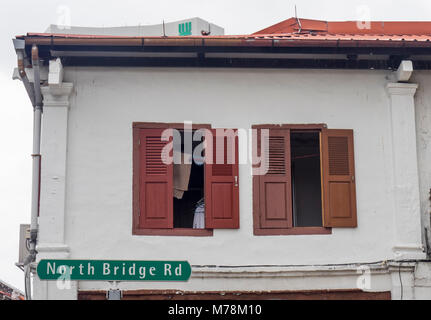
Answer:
[(276, 155)]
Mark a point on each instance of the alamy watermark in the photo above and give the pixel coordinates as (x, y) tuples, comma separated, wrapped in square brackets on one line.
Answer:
[(363, 281), (64, 17), (363, 17), (217, 146)]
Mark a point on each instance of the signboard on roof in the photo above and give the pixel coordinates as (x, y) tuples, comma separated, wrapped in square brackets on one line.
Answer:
[(185, 29)]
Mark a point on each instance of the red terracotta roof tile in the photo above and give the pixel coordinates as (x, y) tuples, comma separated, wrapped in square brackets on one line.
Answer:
[(377, 30)]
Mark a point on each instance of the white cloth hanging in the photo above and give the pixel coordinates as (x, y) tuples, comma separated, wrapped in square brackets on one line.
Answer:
[(199, 217)]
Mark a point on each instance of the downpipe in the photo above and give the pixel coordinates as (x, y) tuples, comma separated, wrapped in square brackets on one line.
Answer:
[(34, 93), (37, 120)]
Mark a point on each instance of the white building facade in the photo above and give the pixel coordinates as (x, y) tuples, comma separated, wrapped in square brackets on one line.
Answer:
[(87, 196), (187, 27)]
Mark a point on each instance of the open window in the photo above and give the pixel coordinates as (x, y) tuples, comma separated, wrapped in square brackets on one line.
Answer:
[(309, 183), (188, 185), (306, 178), (185, 181)]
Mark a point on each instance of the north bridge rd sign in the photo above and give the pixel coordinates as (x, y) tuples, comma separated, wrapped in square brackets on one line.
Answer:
[(114, 270)]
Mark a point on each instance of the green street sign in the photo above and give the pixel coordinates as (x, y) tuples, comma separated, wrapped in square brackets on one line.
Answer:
[(114, 270)]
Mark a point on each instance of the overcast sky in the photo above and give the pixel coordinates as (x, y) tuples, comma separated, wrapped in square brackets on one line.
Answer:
[(237, 17)]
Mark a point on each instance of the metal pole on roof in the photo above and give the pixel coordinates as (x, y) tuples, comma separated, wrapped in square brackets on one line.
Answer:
[(298, 21)]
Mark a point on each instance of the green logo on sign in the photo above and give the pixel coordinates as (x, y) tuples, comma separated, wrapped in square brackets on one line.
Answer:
[(114, 270), (185, 29)]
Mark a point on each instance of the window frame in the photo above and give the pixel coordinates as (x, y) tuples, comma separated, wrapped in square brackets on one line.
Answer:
[(136, 230), (257, 229)]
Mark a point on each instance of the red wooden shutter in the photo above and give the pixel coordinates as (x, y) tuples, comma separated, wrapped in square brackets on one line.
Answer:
[(338, 172), (221, 180), (275, 186), (156, 185)]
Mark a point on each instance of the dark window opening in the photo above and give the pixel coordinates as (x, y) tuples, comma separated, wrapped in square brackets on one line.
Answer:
[(188, 188), (306, 179)]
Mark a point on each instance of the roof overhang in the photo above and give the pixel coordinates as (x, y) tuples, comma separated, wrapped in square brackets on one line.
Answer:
[(264, 51)]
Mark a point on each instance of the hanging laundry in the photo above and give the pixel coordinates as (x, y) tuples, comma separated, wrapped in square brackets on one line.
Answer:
[(181, 175), (199, 217)]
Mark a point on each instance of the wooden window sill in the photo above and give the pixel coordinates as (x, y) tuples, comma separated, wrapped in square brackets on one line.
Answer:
[(185, 232), (292, 231)]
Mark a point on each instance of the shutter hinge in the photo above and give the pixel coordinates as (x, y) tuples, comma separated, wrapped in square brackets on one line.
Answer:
[(139, 142)]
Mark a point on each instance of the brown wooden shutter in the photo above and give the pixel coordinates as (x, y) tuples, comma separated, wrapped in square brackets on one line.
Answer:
[(275, 186), (221, 181), (338, 178), (156, 185)]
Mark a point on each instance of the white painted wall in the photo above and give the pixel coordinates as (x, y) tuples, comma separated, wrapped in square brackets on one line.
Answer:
[(106, 101), (423, 133), (99, 172)]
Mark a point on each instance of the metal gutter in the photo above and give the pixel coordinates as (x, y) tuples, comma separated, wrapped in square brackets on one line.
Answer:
[(229, 41)]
